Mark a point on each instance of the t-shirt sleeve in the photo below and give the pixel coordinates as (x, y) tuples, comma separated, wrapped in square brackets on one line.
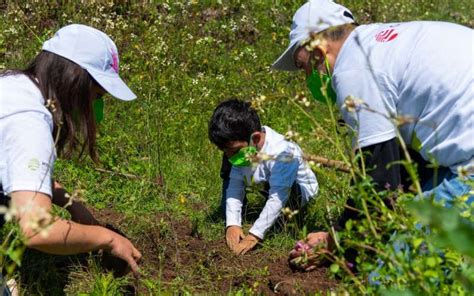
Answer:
[(283, 175), (378, 94), (29, 153)]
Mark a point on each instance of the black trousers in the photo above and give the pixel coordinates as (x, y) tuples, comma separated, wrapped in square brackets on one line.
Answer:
[(396, 175), (4, 291), (4, 201)]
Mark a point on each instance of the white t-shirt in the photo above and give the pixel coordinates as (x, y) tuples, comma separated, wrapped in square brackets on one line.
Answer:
[(286, 168), (423, 70), (27, 152)]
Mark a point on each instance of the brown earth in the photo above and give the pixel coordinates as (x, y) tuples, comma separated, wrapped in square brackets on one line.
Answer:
[(176, 254)]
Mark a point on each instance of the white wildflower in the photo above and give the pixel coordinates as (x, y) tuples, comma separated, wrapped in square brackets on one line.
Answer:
[(288, 213), (258, 102), (353, 104), (8, 212), (466, 171), (289, 135), (404, 119)]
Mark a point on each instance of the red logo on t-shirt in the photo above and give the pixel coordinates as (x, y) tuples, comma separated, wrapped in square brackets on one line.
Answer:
[(386, 35)]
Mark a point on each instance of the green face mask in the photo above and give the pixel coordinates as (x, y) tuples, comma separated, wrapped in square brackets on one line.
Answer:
[(240, 159), (98, 107), (317, 83)]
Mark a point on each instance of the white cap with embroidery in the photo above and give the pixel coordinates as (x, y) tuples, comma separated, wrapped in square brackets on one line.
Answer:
[(314, 16), (95, 52)]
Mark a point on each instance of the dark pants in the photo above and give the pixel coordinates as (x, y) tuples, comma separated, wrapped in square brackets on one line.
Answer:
[(294, 200), (4, 291), (427, 175), (4, 201)]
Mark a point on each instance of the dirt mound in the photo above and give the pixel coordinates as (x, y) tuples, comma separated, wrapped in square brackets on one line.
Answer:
[(174, 252)]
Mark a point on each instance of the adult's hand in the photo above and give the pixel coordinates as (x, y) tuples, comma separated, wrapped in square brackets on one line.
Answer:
[(233, 235), (307, 254), (122, 248), (313, 240), (247, 244), (61, 237)]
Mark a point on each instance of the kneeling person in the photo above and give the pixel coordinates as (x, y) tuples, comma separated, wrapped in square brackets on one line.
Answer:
[(236, 130)]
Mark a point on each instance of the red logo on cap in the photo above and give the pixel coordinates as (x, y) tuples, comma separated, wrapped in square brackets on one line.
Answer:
[(115, 64), (386, 35)]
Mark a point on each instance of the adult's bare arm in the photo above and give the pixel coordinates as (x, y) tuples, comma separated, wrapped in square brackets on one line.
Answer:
[(66, 237)]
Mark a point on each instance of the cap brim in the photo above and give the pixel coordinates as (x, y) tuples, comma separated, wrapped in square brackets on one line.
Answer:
[(114, 85), (286, 61)]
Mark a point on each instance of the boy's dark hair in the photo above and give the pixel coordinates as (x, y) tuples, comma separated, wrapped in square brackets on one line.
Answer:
[(233, 120)]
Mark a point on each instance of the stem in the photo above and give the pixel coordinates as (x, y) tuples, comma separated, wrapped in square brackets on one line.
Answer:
[(40, 40), (6, 239), (410, 161), (330, 163), (326, 136), (130, 176), (342, 263), (366, 212), (386, 257), (333, 231)]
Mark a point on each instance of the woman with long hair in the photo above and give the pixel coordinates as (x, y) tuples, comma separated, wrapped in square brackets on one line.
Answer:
[(47, 109)]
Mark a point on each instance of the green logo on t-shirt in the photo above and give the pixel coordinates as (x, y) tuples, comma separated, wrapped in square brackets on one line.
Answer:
[(33, 164)]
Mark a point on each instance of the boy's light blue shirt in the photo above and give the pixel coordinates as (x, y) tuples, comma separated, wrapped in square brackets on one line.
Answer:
[(284, 167)]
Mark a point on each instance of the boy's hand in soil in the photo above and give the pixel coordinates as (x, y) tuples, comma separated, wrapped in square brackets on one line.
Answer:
[(233, 235), (247, 244)]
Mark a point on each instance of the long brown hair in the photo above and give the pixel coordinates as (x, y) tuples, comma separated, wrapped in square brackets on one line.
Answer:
[(67, 90)]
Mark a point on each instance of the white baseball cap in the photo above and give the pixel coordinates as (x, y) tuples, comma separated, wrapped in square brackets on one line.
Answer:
[(95, 52), (314, 16)]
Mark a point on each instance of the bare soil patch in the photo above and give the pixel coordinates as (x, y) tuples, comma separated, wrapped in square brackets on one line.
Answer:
[(174, 252)]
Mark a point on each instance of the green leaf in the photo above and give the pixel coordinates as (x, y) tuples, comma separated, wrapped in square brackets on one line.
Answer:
[(417, 242), (431, 262), (430, 273), (334, 268), (448, 227), (349, 225)]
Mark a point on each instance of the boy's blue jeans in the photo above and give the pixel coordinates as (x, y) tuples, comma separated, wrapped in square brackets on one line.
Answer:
[(449, 187)]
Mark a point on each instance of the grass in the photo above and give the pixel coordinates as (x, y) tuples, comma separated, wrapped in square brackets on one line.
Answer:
[(182, 58)]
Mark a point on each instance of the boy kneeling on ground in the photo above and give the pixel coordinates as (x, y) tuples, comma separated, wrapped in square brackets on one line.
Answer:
[(236, 130)]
